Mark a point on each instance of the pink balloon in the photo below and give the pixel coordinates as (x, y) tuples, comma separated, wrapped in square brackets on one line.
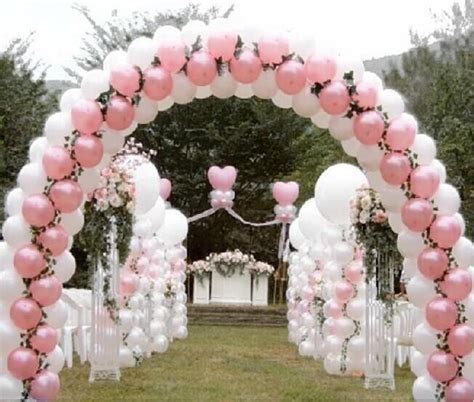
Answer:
[(395, 168), (47, 290), (401, 132), (141, 265), (88, 150), (417, 214), (334, 98), (442, 366), (66, 195), (45, 386), (461, 340), (272, 48), (165, 188), (55, 239), (366, 95), (125, 79), (290, 77), (86, 116), (457, 284), (222, 44), (25, 313), (369, 127), (29, 261), (158, 83), (459, 390), (333, 309), (57, 162), (222, 178), (128, 283), (424, 181), (246, 67), (441, 313), (445, 231), (285, 193), (23, 363), (201, 68), (433, 262), (354, 272), (44, 339), (120, 113), (343, 291), (38, 210), (172, 55), (320, 69), (153, 272)]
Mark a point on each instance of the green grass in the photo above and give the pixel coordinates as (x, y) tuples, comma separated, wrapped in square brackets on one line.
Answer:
[(229, 364)]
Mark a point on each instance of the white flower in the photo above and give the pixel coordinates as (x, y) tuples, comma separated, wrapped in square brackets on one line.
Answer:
[(366, 202), (364, 217), (116, 201)]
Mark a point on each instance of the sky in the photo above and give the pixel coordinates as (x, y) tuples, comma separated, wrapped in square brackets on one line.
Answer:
[(366, 28)]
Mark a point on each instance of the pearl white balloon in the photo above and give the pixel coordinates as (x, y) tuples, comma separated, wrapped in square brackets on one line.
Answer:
[(203, 92), (356, 347), (55, 360), (440, 168), (306, 348), (89, 180), (32, 178), (112, 142), (146, 110), (126, 358), (333, 200), (296, 237), (374, 79), (343, 252), (418, 363), (340, 128), (409, 243), (468, 369), (425, 149), (463, 252), (376, 180), (114, 59), (311, 222), (6, 256), (10, 337), (181, 333), (410, 267), (244, 91), (321, 119), (174, 228), (14, 201), (141, 52), (447, 199), (56, 314), (424, 389), (37, 148), (369, 157), (192, 30), (183, 90), (65, 266), (265, 86), (305, 103), (160, 344), (94, 83), (345, 327), (356, 309), (57, 127), (392, 103), (16, 231), (72, 222), (347, 63), (147, 187), (302, 43), (282, 100), (420, 290), (165, 104), (469, 305), (395, 222), (393, 198), (350, 146), (11, 389), (332, 364), (166, 32), (224, 86)]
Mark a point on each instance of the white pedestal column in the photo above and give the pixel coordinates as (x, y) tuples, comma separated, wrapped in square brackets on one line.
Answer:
[(231, 290), (201, 289), (260, 290)]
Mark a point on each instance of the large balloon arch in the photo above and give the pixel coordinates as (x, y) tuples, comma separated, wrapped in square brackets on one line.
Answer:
[(222, 60)]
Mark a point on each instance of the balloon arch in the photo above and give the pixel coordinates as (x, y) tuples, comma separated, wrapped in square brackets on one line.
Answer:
[(220, 60)]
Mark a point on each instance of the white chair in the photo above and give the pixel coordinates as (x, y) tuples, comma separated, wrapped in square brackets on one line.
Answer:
[(403, 326), (70, 328)]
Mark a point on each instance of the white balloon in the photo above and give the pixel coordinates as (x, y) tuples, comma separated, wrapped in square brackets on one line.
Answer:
[(160, 344), (181, 333), (468, 369), (192, 30), (203, 92), (410, 244), (395, 222), (112, 142), (126, 358), (418, 363), (55, 360), (376, 180), (369, 156), (332, 364), (183, 90), (440, 169), (16, 231), (114, 59), (156, 215), (343, 252), (420, 290), (348, 63), (340, 128), (356, 347), (463, 252), (32, 178), (56, 314), (166, 32), (334, 190), (14, 201), (469, 305), (345, 327), (356, 309), (6, 256), (165, 104), (392, 103), (282, 100), (425, 149), (94, 83), (302, 43), (393, 198), (305, 103), (72, 222), (65, 266), (265, 86), (447, 199), (306, 348), (10, 337), (126, 319), (136, 338), (351, 146), (374, 79), (147, 187), (174, 228), (89, 180), (224, 85), (11, 389), (146, 110), (311, 222), (69, 98), (410, 267), (37, 148), (321, 119), (297, 238), (141, 52), (424, 389), (244, 91), (57, 127)]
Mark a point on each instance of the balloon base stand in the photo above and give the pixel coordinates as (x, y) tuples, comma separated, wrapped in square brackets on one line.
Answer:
[(104, 375), (380, 381)]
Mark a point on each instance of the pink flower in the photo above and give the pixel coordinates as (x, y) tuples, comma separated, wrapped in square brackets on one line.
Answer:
[(380, 216)]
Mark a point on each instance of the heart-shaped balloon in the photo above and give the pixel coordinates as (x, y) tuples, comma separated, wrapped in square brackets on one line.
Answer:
[(222, 178), (286, 193), (165, 188)]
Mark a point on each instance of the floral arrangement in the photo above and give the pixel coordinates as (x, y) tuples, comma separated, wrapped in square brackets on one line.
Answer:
[(228, 263)]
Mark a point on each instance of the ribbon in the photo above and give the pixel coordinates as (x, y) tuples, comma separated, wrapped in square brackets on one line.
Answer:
[(202, 215), (235, 215)]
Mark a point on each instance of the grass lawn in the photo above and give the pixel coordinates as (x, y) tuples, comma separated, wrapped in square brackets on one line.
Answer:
[(229, 364)]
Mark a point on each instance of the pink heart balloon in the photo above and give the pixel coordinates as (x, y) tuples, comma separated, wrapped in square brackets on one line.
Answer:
[(286, 193), (222, 178)]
